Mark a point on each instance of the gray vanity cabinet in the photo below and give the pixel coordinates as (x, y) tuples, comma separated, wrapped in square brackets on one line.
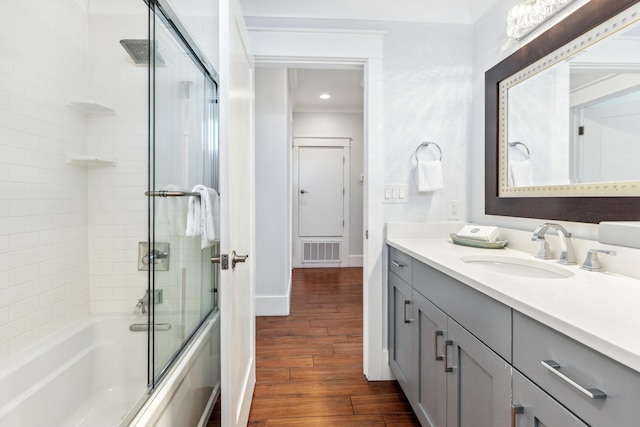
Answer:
[(532, 407), (599, 390), (450, 377), (430, 396), (478, 384), (401, 332)]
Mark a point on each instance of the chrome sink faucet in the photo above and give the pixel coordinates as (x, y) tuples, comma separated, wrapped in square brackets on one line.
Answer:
[(566, 248)]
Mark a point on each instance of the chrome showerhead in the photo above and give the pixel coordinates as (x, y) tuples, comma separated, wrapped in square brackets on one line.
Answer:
[(138, 50)]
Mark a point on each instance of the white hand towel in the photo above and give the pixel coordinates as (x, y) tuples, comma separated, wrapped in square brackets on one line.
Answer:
[(203, 216), (428, 175), (520, 174)]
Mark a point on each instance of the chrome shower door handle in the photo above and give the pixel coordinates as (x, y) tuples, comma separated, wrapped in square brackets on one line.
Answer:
[(235, 258)]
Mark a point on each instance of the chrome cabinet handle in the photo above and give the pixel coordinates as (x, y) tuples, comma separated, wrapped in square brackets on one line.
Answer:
[(516, 410), (406, 303), (435, 345), (554, 367), (447, 343), (398, 264)]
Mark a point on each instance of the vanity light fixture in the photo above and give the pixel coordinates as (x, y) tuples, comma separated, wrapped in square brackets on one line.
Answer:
[(527, 15), (325, 96)]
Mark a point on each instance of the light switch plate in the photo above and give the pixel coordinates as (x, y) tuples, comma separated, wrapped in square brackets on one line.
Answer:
[(396, 193)]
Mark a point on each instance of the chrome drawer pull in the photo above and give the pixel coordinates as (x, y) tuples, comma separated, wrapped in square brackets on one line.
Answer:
[(435, 345), (592, 393), (447, 343), (406, 303), (516, 410), (398, 264)]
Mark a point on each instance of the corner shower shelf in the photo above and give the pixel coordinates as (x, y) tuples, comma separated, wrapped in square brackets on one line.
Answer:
[(90, 161), (91, 107)]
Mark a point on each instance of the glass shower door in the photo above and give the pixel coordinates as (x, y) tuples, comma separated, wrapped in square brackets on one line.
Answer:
[(184, 149)]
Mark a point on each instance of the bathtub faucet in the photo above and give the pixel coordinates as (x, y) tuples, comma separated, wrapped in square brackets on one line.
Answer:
[(142, 307)]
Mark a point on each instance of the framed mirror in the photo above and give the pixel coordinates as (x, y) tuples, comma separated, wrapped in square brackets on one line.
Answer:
[(562, 120)]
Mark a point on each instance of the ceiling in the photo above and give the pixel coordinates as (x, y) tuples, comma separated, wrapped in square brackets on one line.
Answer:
[(431, 11), (344, 86)]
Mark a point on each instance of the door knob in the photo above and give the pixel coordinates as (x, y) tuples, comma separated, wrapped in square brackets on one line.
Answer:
[(235, 258), (303, 191), (222, 259)]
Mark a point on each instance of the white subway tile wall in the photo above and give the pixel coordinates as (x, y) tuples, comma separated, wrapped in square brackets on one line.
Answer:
[(43, 209), (68, 234), (117, 205)]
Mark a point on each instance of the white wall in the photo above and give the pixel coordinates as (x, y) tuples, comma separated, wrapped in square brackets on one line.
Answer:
[(336, 125), (427, 93), (43, 200), (490, 46), (273, 192)]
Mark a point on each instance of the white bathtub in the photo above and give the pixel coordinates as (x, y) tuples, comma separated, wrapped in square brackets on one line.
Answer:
[(89, 375)]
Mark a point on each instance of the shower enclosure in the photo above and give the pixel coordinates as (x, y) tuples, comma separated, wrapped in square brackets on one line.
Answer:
[(108, 119)]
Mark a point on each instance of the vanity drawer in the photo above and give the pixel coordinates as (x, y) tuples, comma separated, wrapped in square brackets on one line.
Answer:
[(484, 317), (571, 366), (401, 264)]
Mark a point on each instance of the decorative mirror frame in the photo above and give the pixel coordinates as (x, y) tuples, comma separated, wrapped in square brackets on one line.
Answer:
[(592, 209)]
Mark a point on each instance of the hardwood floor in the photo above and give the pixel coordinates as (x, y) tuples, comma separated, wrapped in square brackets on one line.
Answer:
[(309, 364)]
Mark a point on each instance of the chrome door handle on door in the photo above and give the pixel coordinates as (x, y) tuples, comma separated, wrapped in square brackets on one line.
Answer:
[(222, 259), (303, 191), (235, 258)]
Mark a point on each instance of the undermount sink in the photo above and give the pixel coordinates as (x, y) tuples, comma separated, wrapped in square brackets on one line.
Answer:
[(517, 266)]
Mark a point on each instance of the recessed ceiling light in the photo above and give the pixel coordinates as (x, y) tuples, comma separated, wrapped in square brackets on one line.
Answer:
[(325, 96)]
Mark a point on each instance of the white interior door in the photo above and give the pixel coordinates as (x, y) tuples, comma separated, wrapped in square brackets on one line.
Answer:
[(321, 202), (321, 191), (237, 290)]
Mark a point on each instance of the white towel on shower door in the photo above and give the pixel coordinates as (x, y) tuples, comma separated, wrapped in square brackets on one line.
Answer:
[(203, 216), (428, 175)]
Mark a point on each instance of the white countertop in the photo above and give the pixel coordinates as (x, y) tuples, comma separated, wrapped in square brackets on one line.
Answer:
[(600, 310)]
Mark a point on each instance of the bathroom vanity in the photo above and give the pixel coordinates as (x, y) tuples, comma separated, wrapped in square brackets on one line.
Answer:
[(476, 345)]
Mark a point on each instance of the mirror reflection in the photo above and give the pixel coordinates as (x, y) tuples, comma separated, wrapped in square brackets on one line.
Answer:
[(577, 121)]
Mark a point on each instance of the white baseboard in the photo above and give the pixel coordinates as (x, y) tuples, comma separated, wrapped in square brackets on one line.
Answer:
[(272, 305), (356, 261)]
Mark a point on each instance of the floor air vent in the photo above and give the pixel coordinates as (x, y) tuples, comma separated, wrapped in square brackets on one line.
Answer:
[(328, 251)]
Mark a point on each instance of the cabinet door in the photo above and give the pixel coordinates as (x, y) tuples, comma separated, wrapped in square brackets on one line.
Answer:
[(479, 384), (536, 408), (430, 387), (400, 331)]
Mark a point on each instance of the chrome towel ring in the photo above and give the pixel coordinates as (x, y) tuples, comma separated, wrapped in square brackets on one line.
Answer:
[(516, 143), (427, 144)]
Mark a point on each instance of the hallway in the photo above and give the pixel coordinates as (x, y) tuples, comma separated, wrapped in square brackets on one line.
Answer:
[(309, 364)]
